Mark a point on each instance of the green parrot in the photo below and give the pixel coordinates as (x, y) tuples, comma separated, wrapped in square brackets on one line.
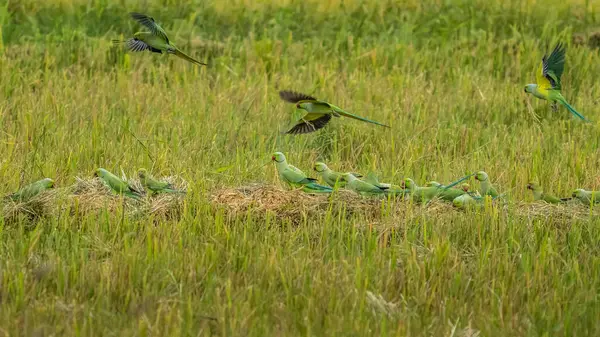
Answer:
[(548, 80), (371, 178), (539, 194), (486, 186), (155, 40), (116, 184), (155, 186), (311, 114), (444, 192), (587, 197), (364, 188), (331, 177), (29, 191), (468, 201), (418, 193), (295, 178)]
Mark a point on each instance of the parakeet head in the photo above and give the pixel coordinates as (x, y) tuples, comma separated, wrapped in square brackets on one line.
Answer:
[(530, 87), (278, 157), (99, 172), (48, 183), (408, 184), (578, 193), (458, 202), (533, 186), (320, 167), (465, 187), (481, 176), (142, 173)]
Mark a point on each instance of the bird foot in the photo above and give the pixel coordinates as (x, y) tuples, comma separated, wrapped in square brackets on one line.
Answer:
[(554, 107)]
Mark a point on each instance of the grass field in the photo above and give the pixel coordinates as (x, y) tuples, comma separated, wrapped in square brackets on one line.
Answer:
[(448, 76)]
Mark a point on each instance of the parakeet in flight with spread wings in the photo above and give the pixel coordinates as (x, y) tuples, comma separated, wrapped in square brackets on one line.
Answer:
[(155, 40), (311, 114), (548, 80)]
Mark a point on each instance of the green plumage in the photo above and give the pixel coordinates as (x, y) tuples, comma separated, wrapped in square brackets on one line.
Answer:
[(295, 178), (156, 40), (311, 114), (116, 184), (154, 186), (539, 194), (27, 192)]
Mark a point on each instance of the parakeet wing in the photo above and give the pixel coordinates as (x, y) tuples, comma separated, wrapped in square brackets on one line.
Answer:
[(309, 123), (136, 45), (294, 176), (551, 69), (149, 23), (294, 97)]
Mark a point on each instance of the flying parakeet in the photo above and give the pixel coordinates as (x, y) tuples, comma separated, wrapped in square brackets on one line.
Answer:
[(486, 185), (539, 194), (116, 184), (295, 178), (587, 197), (155, 186), (29, 191), (548, 80), (155, 40), (311, 114)]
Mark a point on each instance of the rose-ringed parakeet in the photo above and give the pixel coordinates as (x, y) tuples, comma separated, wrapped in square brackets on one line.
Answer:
[(295, 178), (548, 80), (312, 114), (485, 184), (116, 184), (156, 40), (155, 186), (331, 177), (29, 191), (587, 197), (539, 194)]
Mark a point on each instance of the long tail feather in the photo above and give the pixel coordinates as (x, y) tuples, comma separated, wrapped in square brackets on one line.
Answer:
[(347, 114), (184, 56), (571, 109)]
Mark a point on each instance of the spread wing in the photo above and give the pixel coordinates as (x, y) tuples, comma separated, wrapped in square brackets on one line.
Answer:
[(294, 97), (136, 45), (309, 123), (149, 23), (551, 69)]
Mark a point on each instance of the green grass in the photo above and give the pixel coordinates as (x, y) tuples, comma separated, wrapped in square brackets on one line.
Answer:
[(448, 76)]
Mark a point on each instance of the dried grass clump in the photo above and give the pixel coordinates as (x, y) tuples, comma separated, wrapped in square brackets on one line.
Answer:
[(567, 212), (38, 207), (293, 205)]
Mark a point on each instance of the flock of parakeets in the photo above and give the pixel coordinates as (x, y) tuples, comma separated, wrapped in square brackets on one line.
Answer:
[(117, 185), (369, 186), (311, 114)]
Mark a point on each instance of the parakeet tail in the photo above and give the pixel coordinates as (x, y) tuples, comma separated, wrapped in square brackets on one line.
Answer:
[(571, 109)]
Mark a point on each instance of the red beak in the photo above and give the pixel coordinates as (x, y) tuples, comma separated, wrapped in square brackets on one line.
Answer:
[(273, 158)]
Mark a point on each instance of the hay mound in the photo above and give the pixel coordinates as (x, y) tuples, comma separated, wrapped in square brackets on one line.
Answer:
[(567, 212), (38, 207), (290, 204)]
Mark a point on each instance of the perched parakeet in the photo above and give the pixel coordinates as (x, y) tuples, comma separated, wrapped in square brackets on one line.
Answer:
[(155, 186), (468, 201), (29, 191), (548, 80), (362, 187), (155, 40), (446, 193), (539, 194), (486, 185), (331, 177), (587, 197), (419, 193), (295, 177), (117, 184), (311, 114)]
